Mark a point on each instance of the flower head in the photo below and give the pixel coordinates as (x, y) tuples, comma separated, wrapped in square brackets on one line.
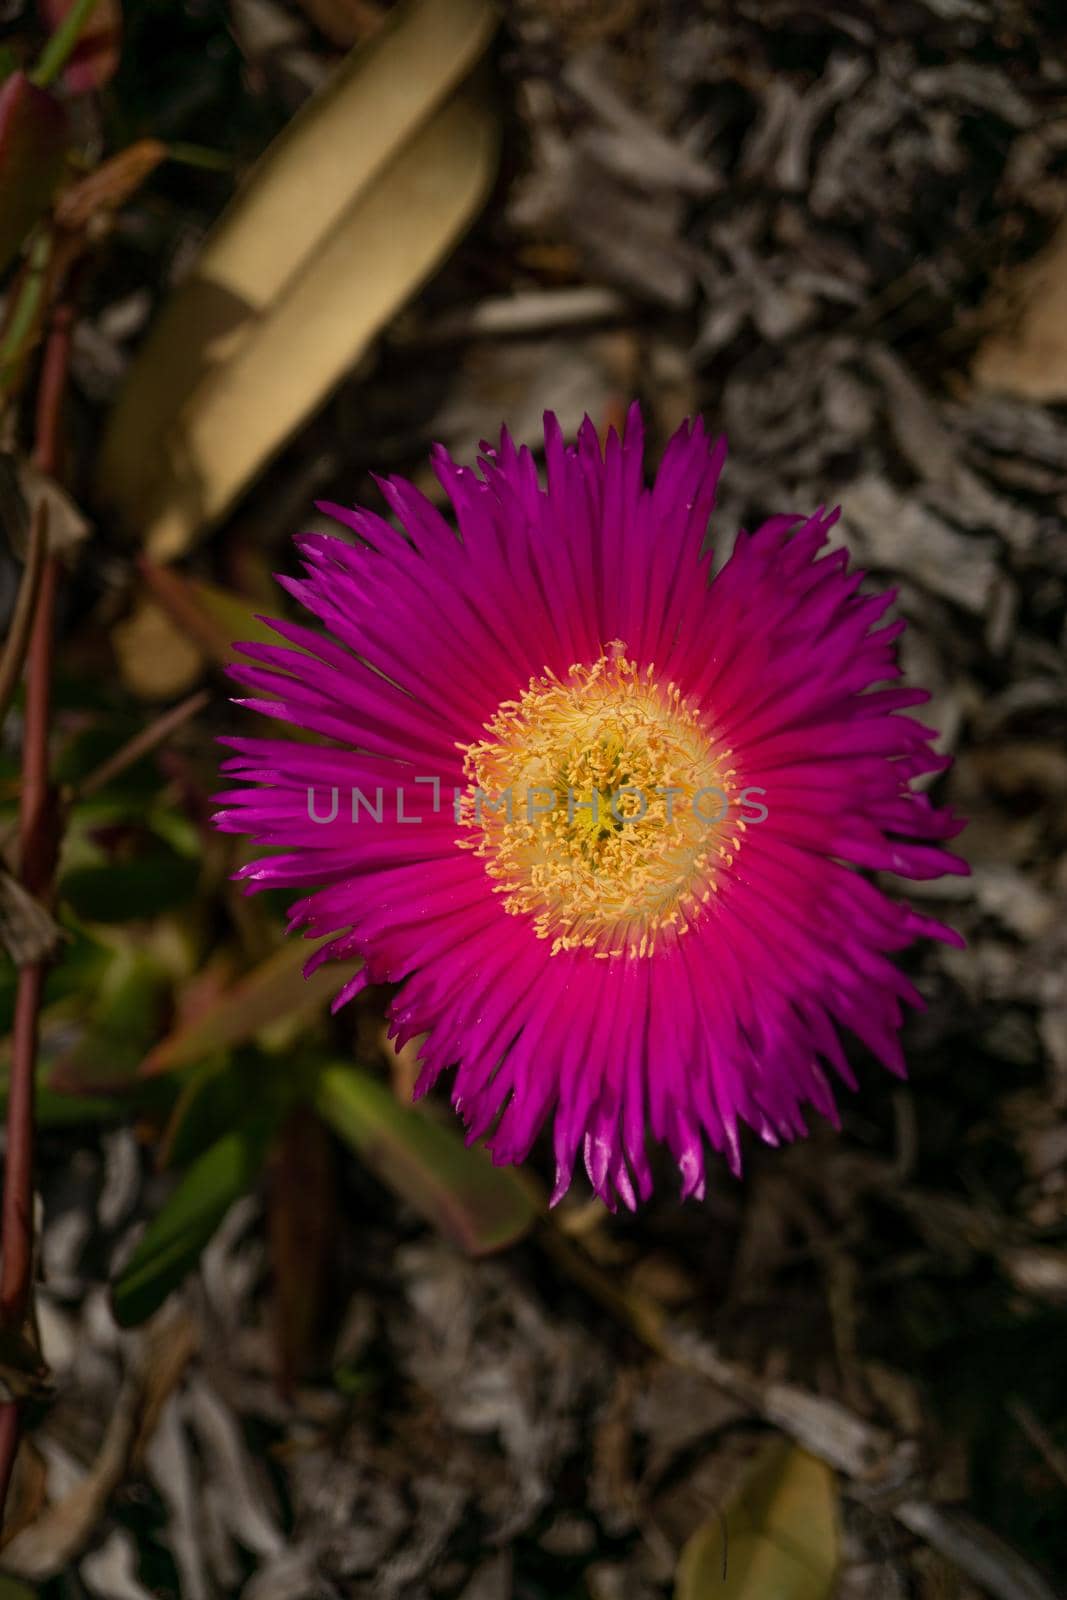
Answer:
[(598, 818)]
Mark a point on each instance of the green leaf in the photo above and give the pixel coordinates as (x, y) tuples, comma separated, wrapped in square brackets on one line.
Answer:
[(14, 1589), (118, 891), (22, 325), (33, 142), (478, 1206), (216, 1094), (271, 992), (127, 1007), (777, 1539), (213, 617), (210, 1100), (175, 1239), (85, 42), (61, 1110)]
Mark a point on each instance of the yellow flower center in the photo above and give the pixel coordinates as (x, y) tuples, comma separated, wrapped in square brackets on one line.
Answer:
[(603, 807)]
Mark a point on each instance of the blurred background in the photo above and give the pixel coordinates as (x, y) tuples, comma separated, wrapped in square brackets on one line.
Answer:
[(288, 1338)]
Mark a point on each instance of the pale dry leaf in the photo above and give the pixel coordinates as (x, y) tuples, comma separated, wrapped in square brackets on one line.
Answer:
[(347, 213), (156, 660), (398, 229), (292, 1575), (172, 1340), (244, 1500), (29, 1491), (1026, 352), (898, 532), (27, 930), (67, 524), (171, 1466), (57, 1536), (111, 1570)]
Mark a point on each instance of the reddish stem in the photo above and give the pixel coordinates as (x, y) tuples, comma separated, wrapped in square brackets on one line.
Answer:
[(38, 842), (52, 388)]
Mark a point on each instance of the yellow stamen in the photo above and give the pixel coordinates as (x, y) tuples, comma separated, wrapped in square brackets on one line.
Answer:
[(592, 843)]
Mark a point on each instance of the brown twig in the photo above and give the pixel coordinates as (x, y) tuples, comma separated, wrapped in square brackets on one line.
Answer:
[(1040, 1438), (14, 656), (37, 861), (9, 1444), (141, 744)]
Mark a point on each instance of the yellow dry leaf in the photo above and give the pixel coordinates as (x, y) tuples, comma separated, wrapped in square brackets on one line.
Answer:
[(343, 219), (777, 1539), (156, 660)]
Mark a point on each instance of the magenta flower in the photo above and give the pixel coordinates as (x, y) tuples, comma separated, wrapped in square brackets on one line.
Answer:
[(598, 818)]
